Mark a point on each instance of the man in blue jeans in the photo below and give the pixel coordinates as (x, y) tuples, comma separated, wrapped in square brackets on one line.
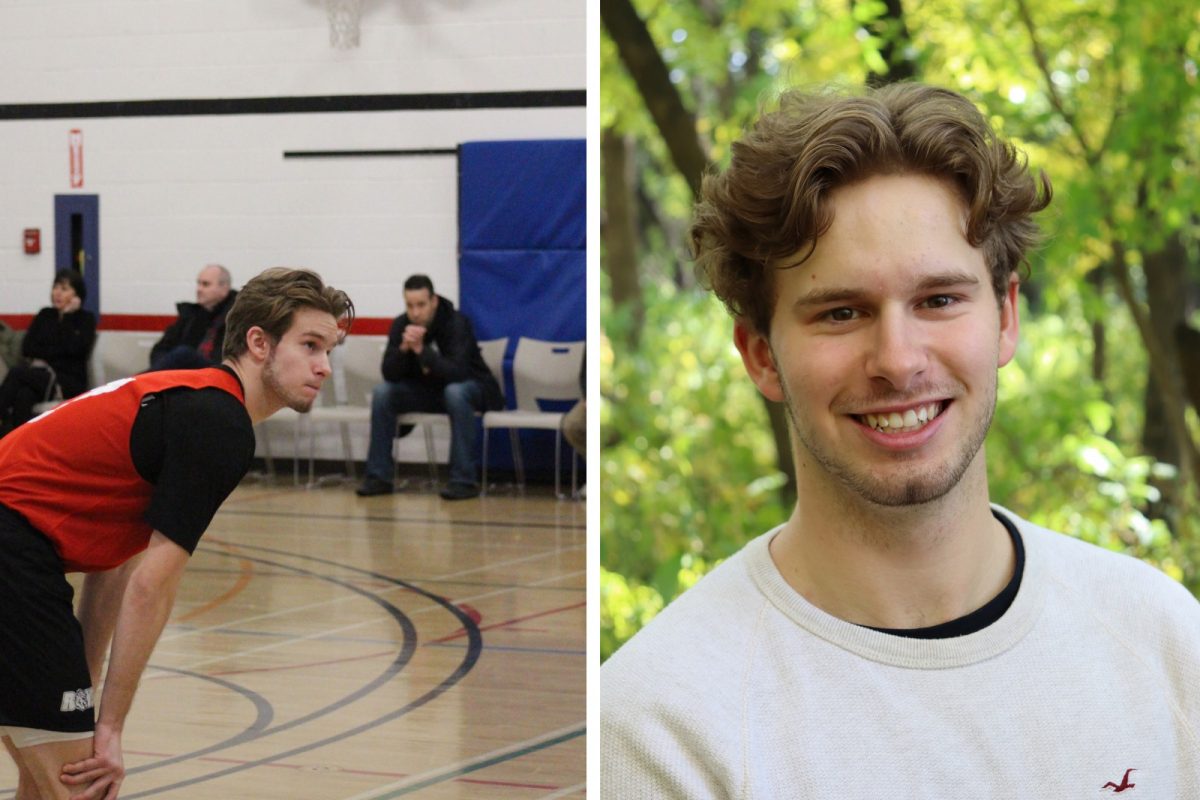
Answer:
[(432, 363)]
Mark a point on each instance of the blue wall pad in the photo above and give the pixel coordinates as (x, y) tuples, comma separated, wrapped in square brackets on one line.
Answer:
[(522, 215)]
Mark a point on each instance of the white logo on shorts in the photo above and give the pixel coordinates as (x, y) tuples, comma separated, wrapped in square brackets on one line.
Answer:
[(78, 700)]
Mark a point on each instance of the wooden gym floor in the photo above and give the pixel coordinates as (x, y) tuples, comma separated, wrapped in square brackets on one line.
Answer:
[(331, 647)]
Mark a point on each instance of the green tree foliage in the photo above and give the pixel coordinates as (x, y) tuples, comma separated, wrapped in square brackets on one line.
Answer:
[(1102, 96)]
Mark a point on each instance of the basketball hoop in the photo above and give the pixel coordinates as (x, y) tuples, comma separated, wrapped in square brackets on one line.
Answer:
[(344, 17)]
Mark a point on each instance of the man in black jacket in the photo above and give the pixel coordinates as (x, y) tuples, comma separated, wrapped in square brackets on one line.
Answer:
[(431, 363), (195, 339)]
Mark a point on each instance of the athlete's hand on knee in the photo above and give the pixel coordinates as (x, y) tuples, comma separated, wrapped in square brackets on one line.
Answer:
[(101, 774)]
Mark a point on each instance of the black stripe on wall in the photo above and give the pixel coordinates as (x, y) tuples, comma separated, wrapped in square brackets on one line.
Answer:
[(453, 101), (429, 151)]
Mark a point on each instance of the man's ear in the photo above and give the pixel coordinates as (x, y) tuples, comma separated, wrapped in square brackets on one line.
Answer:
[(258, 344), (755, 350), (1010, 323)]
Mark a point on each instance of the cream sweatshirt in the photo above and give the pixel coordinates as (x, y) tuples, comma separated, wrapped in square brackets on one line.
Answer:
[(1088, 684)]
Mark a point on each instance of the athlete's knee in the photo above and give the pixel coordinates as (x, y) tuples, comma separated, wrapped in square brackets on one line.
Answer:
[(41, 764), (458, 395)]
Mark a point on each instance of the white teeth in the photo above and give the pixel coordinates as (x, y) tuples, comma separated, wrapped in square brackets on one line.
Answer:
[(911, 420)]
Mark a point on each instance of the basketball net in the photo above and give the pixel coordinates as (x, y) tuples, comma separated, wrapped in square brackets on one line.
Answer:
[(343, 22)]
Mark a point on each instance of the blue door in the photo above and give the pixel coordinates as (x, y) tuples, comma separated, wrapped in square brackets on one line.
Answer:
[(77, 241)]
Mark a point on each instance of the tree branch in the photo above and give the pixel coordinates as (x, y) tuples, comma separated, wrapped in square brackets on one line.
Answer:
[(1043, 63), (1159, 370), (644, 64)]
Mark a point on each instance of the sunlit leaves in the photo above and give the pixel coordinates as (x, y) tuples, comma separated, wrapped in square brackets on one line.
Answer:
[(1114, 121)]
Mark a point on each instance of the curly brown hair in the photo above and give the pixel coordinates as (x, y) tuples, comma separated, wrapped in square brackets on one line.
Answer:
[(772, 201)]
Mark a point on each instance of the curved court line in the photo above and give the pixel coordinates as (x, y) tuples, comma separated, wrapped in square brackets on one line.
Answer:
[(402, 658), (470, 657), (247, 573), (304, 665), (505, 623), (264, 713)]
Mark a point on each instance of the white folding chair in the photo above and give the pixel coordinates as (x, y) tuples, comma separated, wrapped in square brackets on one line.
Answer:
[(542, 370), (335, 409)]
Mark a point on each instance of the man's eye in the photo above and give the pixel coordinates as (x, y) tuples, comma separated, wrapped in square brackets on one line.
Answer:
[(840, 314), (940, 301)]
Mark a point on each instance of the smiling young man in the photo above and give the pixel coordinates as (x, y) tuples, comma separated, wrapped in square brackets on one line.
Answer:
[(898, 635), (120, 483)]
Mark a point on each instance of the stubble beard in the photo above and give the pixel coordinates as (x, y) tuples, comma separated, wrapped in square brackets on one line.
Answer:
[(896, 489), (271, 382)]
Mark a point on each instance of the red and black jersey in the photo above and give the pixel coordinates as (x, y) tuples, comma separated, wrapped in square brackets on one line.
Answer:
[(74, 472)]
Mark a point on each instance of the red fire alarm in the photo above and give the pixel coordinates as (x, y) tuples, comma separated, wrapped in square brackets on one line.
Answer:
[(33, 241)]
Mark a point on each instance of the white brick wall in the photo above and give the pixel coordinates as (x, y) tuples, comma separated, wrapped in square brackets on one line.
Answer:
[(177, 192), (75, 50)]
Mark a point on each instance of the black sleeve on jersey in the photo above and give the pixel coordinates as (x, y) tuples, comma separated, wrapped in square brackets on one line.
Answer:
[(195, 446)]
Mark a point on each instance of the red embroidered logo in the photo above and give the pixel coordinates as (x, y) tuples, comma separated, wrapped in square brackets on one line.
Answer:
[(1125, 784)]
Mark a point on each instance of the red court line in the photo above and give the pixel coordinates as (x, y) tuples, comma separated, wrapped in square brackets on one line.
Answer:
[(462, 631), (242, 582)]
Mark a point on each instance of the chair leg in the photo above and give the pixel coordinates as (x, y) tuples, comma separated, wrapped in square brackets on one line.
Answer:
[(430, 455), (296, 452), (266, 441), (558, 464), (483, 486), (312, 457), (574, 474), (518, 463), (347, 452)]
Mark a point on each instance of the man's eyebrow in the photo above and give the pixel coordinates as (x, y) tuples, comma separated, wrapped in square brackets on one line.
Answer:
[(834, 294), (943, 280), (312, 334), (820, 297)]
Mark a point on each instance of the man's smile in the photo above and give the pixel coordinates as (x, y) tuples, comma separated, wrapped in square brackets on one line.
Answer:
[(903, 420)]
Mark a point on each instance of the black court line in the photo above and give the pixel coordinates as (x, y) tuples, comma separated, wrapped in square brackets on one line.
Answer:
[(405, 654), (428, 151), (264, 713), (470, 657), (416, 520), (471, 584), (319, 104)]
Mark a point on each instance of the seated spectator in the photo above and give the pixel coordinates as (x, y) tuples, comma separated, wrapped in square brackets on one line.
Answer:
[(195, 339), (574, 424), (431, 363), (54, 351)]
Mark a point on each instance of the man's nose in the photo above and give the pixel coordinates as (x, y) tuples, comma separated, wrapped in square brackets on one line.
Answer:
[(898, 353)]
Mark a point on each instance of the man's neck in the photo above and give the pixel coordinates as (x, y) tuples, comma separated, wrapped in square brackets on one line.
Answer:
[(259, 404), (896, 567)]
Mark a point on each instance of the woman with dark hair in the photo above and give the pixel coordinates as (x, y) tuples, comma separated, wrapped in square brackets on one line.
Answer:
[(56, 349)]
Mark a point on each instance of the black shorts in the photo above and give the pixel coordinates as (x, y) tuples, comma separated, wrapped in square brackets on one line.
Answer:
[(44, 680)]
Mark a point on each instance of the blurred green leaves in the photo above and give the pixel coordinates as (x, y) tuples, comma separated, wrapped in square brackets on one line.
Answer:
[(1102, 96), (687, 461)]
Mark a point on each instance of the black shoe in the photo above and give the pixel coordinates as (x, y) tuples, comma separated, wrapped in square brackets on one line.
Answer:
[(459, 491), (373, 486)]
